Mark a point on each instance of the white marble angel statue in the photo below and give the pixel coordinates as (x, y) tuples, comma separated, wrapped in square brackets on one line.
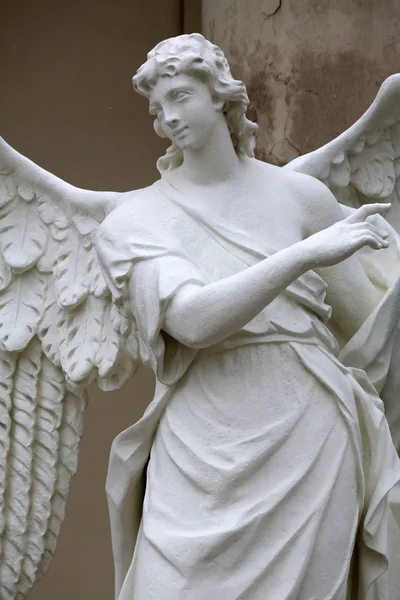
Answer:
[(266, 300)]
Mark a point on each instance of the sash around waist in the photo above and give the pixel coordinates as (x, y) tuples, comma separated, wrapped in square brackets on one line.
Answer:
[(268, 338)]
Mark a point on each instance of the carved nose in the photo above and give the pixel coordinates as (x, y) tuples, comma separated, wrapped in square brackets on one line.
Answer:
[(171, 122)]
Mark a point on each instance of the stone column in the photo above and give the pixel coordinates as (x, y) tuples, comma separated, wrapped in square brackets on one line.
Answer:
[(311, 67)]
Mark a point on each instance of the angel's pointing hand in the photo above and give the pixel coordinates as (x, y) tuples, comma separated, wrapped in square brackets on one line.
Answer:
[(339, 241)]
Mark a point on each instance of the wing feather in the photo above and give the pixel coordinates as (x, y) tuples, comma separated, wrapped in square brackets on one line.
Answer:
[(23, 251), (19, 465), (21, 309), (73, 408), (7, 368), (59, 330), (45, 442)]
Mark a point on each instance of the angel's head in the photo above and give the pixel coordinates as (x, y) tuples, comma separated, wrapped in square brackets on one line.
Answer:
[(188, 83)]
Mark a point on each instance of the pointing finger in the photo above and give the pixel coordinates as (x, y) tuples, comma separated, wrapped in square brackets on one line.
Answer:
[(368, 210)]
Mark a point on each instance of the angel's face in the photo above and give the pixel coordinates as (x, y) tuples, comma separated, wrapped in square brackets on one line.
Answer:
[(185, 109)]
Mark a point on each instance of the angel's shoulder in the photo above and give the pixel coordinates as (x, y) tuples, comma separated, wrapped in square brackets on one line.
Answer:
[(312, 195), (308, 199), (304, 190), (305, 186), (298, 183), (318, 206), (139, 208)]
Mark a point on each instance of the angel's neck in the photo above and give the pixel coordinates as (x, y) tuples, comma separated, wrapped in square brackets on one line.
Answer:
[(215, 162)]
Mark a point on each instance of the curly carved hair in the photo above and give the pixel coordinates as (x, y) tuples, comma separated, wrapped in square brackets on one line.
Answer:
[(194, 55)]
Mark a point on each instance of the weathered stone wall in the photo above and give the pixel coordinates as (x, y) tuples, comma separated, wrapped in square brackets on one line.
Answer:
[(311, 67)]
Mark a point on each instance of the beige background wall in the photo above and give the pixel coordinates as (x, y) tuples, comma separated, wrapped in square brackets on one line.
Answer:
[(66, 102), (311, 67)]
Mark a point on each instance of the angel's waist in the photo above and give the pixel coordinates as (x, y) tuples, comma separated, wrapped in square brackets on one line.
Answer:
[(245, 338)]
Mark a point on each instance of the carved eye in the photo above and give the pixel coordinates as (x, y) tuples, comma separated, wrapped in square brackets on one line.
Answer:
[(180, 95)]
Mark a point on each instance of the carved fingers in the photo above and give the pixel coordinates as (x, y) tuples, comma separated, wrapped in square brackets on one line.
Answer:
[(367, 233), (339, 241), (363, 231), (368, 210)]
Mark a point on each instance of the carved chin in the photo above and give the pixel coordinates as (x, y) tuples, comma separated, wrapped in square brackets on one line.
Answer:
[(188, 142)]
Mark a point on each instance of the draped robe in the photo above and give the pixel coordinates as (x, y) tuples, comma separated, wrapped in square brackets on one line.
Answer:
[(263, 466)]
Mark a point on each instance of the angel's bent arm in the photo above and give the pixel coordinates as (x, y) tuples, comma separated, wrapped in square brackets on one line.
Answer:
[(200, 316)]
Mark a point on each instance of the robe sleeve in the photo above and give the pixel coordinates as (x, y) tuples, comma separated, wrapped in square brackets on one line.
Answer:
[(144, 269)]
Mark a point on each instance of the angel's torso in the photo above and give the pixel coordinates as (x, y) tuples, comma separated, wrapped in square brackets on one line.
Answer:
[(262, 200), (219, 232)]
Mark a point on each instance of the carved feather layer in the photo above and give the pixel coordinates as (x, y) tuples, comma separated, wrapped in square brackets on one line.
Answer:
[(59, 330), (48, 263), (45, 425), (363, 162)]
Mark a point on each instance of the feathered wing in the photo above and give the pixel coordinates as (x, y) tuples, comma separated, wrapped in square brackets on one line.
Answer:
[(362, 165), (59, 330)]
